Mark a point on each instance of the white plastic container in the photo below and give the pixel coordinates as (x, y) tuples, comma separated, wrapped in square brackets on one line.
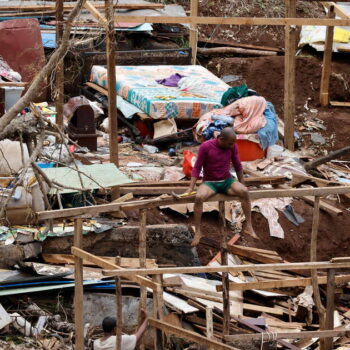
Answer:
[(12, 95), (274, 151)]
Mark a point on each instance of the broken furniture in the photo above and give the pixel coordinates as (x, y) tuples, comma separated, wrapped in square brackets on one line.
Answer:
[(82, 129)]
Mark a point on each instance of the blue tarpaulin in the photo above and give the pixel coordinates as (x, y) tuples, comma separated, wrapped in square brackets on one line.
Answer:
[(49, 40)]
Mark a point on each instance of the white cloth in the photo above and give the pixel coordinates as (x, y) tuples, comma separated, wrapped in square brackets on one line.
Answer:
[(128, 343)]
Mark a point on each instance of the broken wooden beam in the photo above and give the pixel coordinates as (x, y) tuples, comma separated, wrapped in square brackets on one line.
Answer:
[(153, 203), (330, 156), (233, 50), (323, 265), (235, 44), (249, 181), (288, 283), (141, 280), (290, 335), (189, 335)]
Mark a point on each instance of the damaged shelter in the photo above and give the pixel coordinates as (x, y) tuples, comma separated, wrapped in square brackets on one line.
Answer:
[(103, 108)]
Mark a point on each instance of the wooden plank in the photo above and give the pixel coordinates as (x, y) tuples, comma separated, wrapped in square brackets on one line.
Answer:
[(328, 342), (340, 104), (120, 261), (95, 13), (250, 181), (59, 71), (254, 194), (10, 83), (288, 283), (259, 308), (119, 312), (209, 324), (233, 44), (323, 265), (107, 265), (225, 275), (191, 336), (250, 21), (327, 61), (260, 330), (142, 257), (338, 10), (289, 77), (111, 83), (290, 335), (313, 257), (178, 304), (233, 50), (251, 255), (78, 288), (158, 313), (331, 209), (146, 189), (194, 32), (68, 7), (298, 179)]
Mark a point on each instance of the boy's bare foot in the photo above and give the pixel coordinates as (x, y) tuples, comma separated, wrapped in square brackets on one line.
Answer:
[(248, 229)]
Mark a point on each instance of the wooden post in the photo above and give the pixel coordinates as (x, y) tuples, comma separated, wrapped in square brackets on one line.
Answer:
[(225, 278), (289, 77), (142, 256), (194, 32), (78, 287), (59, 81), (209, 318), (327, 61), (111, 81), (158, 313), (328, 342), (313, 257), (119, 312)]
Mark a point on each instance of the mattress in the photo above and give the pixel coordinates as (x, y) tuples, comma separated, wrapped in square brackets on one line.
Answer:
[(137, 85)]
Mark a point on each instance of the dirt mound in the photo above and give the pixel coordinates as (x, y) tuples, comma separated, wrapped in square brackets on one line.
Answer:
[(269, 36), (333, 239), (265, 75)]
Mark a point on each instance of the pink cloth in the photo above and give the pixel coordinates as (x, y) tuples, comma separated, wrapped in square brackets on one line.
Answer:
[(216, 161), (248, 113)]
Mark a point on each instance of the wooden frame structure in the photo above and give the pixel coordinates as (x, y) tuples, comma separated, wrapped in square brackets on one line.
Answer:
[(140, 276), (290, 23), (333, 10)]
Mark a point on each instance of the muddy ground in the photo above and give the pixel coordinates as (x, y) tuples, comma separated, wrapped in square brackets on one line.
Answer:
[(333, 236)]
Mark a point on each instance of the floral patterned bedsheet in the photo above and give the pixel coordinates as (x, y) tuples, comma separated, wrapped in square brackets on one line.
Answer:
[(137, 84)]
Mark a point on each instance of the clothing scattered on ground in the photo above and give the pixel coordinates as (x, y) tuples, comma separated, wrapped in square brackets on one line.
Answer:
[(214, 129), (128, 343), (216, 161), (233, 94), (171, 81)]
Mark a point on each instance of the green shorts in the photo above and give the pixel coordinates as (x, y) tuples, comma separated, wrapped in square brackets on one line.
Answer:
[(220, 186)]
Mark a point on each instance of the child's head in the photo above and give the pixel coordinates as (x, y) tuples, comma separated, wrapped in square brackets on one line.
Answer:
[(109, 324)]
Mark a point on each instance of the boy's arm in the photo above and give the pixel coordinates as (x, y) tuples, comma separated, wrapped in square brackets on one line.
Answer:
[(237, 164)]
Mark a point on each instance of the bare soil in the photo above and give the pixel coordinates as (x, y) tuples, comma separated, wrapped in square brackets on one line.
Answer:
[(333, 235)]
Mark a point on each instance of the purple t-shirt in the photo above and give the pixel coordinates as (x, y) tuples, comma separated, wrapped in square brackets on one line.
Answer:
[(216, 161)]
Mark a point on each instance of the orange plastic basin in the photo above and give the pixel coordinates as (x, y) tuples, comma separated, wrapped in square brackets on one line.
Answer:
[(249, 151)]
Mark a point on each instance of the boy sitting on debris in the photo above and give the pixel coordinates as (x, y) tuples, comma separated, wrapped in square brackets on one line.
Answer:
[(215, 157), (109, 339)]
